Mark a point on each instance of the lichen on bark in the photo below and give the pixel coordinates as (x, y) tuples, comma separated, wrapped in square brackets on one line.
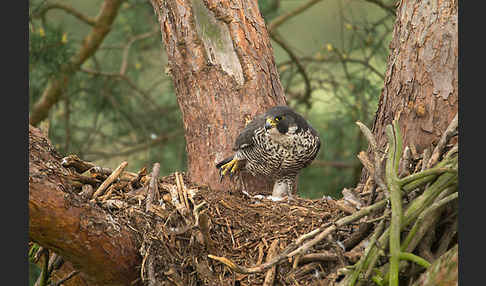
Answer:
[(217, 41)]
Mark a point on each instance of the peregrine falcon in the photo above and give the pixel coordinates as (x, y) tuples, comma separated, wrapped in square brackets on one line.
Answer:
[(275, 145)]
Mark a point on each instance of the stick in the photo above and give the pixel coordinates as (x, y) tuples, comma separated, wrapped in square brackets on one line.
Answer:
[(75, 162), (377, 174), (153, 190), (450, 131), (109, 180), (270, 276), (321, 256), (69, 276)]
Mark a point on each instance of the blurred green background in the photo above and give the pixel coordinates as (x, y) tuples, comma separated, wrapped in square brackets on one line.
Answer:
[(335, 51), (106, 118)]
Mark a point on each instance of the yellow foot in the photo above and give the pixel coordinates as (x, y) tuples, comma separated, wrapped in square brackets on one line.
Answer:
[(247, 119), (231, 166)]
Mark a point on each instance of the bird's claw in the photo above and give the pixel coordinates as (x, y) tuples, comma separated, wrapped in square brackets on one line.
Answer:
[(231, 167)]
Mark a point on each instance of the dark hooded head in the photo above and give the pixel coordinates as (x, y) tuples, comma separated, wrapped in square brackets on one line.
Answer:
[(282, 118)]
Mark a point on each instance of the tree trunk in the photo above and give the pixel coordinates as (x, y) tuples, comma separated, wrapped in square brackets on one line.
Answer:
[(222, 66), (421, 82), (82, 233)]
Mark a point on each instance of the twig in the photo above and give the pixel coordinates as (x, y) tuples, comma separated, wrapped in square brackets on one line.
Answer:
[(109, 180), (108, 193), (230, 232), (403, 168), (66, 8), (153, 189), (270, 276), (135, 180), (389, 8), (448, 133), (308, 89), (365, 160), (151, 271), (376, 160), (414, 209), (281, 19), (321, 256), (364, 63), (55, 262), (181, 188), (75, 162), (126, 49), (69, 276)]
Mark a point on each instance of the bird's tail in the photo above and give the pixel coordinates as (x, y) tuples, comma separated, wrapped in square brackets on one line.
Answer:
[(221, 163)]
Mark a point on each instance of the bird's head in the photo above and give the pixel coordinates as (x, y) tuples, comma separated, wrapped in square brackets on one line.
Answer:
[(283, 118)]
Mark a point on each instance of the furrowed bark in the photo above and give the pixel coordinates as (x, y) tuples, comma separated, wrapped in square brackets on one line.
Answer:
[(421, 81)]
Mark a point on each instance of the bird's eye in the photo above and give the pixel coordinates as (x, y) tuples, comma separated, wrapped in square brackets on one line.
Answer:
[(278, 118)]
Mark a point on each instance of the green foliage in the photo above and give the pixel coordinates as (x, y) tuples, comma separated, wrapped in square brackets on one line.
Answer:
[(34, 270), (48, 50), (269, 8)]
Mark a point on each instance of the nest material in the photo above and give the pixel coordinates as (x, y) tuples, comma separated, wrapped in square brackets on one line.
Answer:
[(184, 223), (191, 235)]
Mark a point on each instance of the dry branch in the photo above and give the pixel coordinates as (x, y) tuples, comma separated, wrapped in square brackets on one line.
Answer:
[(116, 173), (153, 190), (270, 276)]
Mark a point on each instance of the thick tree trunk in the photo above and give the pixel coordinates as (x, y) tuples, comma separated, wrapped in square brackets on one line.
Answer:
[(82, 233), (223, 70), (421, 82)]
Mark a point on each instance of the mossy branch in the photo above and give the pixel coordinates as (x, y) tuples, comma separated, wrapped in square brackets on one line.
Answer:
[(423, 215), (414, 258), (360, 264), (441, 178), (391, 178)]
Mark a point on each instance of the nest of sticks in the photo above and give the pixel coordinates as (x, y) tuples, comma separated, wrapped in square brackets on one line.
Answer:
[(191, 235)]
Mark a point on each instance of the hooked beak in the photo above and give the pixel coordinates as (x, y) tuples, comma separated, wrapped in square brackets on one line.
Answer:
[(269, 124)]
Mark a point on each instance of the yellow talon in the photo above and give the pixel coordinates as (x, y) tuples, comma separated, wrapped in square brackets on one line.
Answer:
[(231, 166), (235, 166)]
